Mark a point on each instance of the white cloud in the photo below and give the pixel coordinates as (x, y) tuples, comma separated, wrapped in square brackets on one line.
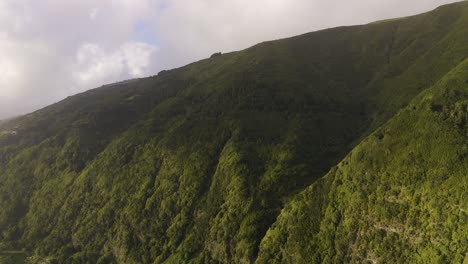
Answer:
[(41, 43), (9, 77), (95, 65), (93, 13), (137, 57)]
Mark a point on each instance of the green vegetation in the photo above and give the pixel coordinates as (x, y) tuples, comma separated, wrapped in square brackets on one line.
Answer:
[(234, 159), (399, 195), (12, 257)]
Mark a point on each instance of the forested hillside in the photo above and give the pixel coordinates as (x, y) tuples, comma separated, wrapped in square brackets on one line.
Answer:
[(399, 196), (343, 145)]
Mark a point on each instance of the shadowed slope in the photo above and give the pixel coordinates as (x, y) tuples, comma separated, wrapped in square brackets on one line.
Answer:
[(399, 196)]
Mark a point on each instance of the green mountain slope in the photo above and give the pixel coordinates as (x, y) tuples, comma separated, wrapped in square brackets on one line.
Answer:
[(400, 196), (208, 162)]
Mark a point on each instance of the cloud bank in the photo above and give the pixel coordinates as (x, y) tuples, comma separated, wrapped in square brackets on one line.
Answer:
[(50, 49)]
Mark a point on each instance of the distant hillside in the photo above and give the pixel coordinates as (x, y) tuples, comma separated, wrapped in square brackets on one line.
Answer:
[(342, 145)]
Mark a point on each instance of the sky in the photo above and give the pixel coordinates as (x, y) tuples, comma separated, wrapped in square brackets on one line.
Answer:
[(50, 49)]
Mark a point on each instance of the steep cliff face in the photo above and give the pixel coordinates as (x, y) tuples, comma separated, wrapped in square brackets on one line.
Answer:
[(399, 196), (224, 160)]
